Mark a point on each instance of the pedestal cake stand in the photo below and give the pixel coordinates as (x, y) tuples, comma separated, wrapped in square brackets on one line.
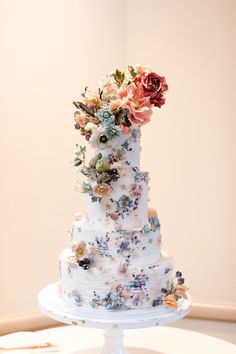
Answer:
[(113, 323)]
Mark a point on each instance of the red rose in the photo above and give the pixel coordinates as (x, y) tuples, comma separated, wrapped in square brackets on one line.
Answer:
[(154, 86)]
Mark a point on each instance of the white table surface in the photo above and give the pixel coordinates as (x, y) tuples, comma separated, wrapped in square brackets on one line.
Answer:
[(161, 340)]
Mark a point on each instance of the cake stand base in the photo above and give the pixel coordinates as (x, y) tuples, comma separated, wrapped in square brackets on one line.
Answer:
[(51, 303)]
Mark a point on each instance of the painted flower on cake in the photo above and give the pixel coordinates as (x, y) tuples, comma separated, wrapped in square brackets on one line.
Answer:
[(181, 290), (108, 205)]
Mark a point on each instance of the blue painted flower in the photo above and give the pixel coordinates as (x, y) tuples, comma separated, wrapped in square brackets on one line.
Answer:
[(113, 301), (157, 301), (105, 116), (135, 134), (112, 131), (155, 223), (124, 203), (124, 247)]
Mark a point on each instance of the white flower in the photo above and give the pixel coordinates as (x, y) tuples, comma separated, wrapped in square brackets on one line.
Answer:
[(108, 206), (97, 131)]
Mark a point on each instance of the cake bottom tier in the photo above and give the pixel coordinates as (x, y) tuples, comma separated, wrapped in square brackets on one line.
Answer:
[(106, 288)]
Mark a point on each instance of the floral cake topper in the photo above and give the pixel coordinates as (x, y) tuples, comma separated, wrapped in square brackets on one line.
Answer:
[(123, 98)]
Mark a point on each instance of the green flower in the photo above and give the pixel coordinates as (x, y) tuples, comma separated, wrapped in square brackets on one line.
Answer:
[(102, 165)]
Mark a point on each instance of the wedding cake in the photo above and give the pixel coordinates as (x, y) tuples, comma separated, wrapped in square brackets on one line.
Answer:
[(115, 261)]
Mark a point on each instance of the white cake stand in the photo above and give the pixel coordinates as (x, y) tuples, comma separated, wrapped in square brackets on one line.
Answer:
[(113, 323)]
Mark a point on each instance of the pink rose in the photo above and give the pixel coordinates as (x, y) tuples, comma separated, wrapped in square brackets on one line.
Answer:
[(154, 86), (138, 105)]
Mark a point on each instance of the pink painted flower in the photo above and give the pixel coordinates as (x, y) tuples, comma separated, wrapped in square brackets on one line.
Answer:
[(154, 86), (102, 190), (122, 268), (114, 216)]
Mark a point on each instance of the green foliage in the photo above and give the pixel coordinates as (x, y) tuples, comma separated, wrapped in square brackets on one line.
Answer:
[(79, 155), (132, 71), (121, 116), (119, 77), (83, 187)]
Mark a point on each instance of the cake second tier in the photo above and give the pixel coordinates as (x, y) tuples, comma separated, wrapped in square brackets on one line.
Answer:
[(126, 206), (124, 248)]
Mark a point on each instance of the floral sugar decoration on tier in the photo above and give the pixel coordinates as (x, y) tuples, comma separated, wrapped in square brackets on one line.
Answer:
[(123, 98), (171, 297)]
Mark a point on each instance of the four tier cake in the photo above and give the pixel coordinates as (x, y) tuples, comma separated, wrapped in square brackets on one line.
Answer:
[(115, 261)]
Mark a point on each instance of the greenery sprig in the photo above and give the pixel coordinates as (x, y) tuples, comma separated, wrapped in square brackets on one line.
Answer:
[(79, 155)]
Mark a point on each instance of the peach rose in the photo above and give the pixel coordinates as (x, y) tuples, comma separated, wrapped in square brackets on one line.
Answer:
[(81, 119), (181, 290), (170, 301), (152, 213), (92, 99), (116, 104)]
